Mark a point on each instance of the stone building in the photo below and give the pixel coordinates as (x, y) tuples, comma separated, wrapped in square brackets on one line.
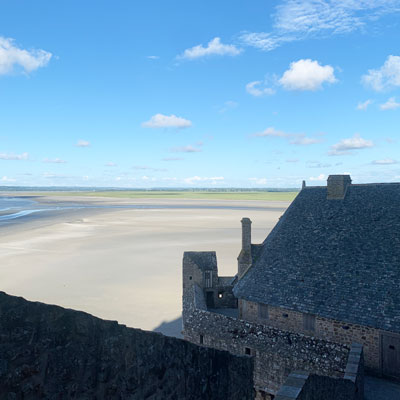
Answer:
[(329, 273)]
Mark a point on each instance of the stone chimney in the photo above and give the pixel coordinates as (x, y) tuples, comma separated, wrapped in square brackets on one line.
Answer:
[(303, 185), (337, 186), (244, 259)]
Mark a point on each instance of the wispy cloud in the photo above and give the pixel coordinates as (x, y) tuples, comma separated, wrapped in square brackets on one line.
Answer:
[(292, 160), (303, 140), (197, 179), (7, 179), (385, 77), (295, 20), (12, 57), (167, 121), (228, 105), (346, 146), (82, 143), (173, 159), (293, 138), (145, 167), (259, 181), (391, 104), (307, 75), (362, 106), (153, 57), (186, 149), (54, 161), (8, 156), (256, 89), (110, 164), (320, 177), (271, 131), (385, 161), (316, 164), (214, 47)]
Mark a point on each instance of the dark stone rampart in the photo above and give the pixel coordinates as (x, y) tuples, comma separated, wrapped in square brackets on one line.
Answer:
[(48, 352)]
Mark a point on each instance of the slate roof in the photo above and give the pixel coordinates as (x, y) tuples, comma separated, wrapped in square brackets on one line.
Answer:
[(205, 260), (339, 259)]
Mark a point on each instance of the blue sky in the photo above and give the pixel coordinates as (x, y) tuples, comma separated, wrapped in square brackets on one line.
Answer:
[(199, 94)]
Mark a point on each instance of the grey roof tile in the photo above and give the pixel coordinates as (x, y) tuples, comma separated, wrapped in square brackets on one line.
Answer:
[(336, 258)]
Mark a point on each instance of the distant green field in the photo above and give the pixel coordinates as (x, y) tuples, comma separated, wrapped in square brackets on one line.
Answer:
[(264, 196)]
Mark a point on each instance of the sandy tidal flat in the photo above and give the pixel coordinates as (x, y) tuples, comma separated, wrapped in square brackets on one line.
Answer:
[(124, 264)]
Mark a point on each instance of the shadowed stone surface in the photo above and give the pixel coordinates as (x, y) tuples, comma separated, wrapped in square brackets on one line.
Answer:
[(380, 389), (48, 352)]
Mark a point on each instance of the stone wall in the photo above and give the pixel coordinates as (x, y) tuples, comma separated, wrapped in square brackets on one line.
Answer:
[(276, 352), (54, 353), (327, 329), (301, 385)]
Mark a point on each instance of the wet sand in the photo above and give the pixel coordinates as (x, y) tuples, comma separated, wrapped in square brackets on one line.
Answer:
[(124, 264)]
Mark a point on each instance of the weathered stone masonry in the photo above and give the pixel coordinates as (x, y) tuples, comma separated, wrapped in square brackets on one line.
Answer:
[(276, 352), (327, 329)]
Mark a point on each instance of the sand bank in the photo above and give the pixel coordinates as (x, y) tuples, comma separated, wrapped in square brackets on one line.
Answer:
[(124, 264)]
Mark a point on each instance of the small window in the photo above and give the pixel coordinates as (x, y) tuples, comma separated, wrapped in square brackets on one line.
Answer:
[(247, 351), (190, 278), (201, 339), (208, 279), (285, 315), (220, 295), (263, 311), (345, 327), (309, 322)]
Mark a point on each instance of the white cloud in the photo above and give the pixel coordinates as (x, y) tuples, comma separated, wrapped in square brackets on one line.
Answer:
[(293, 138), (197, 179), (148, 178), (302, 19), (386, 77), (385, 161), (82, 143), (28, 60), (261, 40), (256, 91), (167, 121), (271, 131), (214, 47), (292, 160), (153, 57), (391, 104), (259, 181), (345, 146), (54, 160), (186, 149), (307, 75), (7, 179), (6, 156), (321, 177), (110, 164), (364, 105), (303, 140)]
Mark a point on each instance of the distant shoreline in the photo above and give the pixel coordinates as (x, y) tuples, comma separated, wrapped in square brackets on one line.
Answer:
[(47, 208), (160, 194)]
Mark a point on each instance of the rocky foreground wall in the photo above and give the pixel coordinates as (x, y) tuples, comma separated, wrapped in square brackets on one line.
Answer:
[(48, 352)]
